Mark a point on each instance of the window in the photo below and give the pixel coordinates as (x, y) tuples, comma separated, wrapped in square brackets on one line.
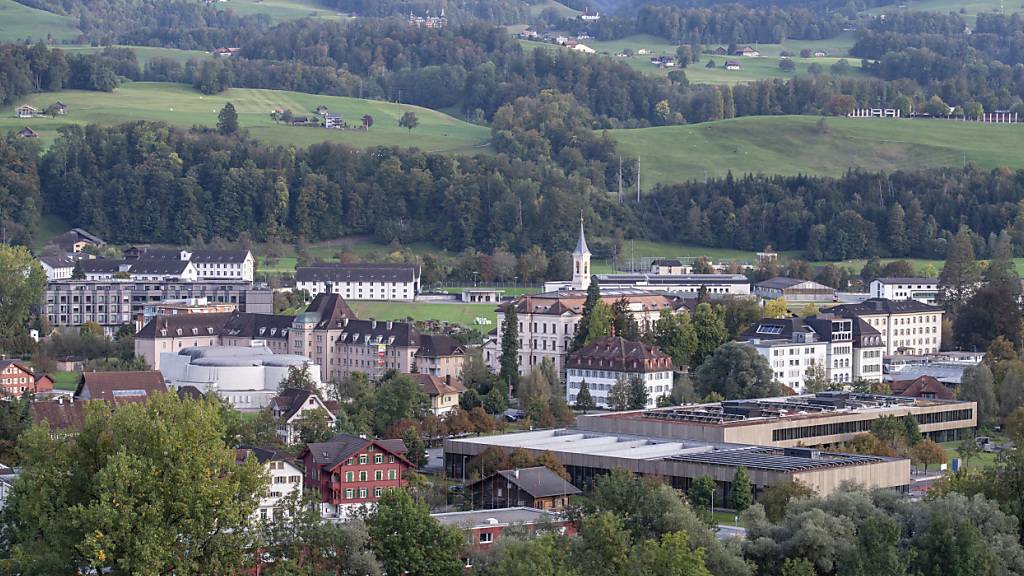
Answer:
[(349, 476), (377, 492), (378, 459), (378, 475), (362, 476), (349, 493), (362, 492), (486, 537), (392, 474), (362, 458)]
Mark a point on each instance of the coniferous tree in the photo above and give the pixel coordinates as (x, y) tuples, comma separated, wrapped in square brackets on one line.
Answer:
[(897, 228), (637, 393), (583, 327), (742, 490), (78, 273), (510, 349), (960, 274), (584, 401), (227, 119)]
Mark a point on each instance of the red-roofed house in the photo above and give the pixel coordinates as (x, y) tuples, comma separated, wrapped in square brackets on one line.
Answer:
[(607, 360), (922, 387), (444, 393), (351, 473), (16, 379)]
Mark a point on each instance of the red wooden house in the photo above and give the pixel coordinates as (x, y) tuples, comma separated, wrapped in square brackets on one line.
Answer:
[(16, 379), (350, 472)]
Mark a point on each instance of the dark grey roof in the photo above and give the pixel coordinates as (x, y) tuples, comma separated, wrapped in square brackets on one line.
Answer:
[(147, 266), (331, 311), (228, 256), (290, 400), (247, 325), (339, 448), (666, 262), (379, 332), (262, 455), (883, 306), (434, 345), (907, 280), (190, 392), (538, 482), (57, 261), (778, 459), (327, 272), (204, 324), (101, 266)]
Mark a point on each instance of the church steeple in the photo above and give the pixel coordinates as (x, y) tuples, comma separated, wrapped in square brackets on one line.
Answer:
[(581, 261)]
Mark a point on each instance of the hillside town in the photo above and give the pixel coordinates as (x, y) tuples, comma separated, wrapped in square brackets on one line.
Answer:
[(511, 288)]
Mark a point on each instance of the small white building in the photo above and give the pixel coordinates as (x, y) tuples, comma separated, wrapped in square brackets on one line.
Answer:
[(290, 406), (248, 377), (670, 266), (284, 479), (57, 267), (584, 48), (612, 359), (333, 121), (924, 290)]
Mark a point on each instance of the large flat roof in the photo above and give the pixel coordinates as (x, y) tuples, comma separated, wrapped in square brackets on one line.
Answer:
[(494, 517), (761, 410), (640, 448)]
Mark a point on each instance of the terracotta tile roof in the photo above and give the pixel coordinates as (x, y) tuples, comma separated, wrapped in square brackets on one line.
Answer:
[(434, 386), (618, 354), (120, 387), (922, 387)]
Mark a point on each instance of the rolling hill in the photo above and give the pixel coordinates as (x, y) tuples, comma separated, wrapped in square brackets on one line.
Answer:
[(794, 145), (180, 105), (18, 22)]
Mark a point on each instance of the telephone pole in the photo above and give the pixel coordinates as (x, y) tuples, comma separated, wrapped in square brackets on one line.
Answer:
[(637, 179), (620, 179)]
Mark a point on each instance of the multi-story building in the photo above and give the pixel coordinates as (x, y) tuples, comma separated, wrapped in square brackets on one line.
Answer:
[(606, 361), (846, 348), (103, 269), (444, 393), (114, 303), (208, 264), (547, 322), (283, 479), (16, 379), (350, 473), (329, 334), (360, 281), (291, 405), (906, 326), (924, 290)]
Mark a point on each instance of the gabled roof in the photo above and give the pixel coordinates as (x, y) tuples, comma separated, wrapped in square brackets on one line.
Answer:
[(5, 363), (290, 400), (434, 345), (331, 311), (667, 262), (57, 261), (780, 283), (922, 387), (262, 455), (190, 392), (538, 482), (101, 266), (338, 449), (61, 415), (121, 387), (147, 266), (433, 386), (332, 272), (220, 256), (250, 325)]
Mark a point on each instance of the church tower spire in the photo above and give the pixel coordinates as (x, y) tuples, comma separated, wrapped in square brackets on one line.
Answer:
[(581, 261)]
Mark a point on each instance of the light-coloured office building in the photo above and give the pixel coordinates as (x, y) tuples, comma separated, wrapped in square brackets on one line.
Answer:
[(906, 326), (924, 290), (360, 281), (606, 361)]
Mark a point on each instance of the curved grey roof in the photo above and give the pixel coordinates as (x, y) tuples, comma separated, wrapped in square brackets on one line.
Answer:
[(197, 352), (247, 360)]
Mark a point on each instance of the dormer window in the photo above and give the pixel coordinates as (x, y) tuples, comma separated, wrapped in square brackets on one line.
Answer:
[(179, 331), (195, 331), (262, 330), (163, 331), (273, 331)]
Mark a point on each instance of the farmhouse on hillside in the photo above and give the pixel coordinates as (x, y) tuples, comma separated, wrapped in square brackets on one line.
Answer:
[(732, 65), (26, 111)]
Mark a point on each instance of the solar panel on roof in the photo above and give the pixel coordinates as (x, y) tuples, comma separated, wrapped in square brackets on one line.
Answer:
[(769, 329)]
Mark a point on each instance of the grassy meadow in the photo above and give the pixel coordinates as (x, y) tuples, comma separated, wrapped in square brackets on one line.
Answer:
[(18, 22), (793, 145), (281, 10), (180, 105), (144, 53), (970, 8), (455, 313)]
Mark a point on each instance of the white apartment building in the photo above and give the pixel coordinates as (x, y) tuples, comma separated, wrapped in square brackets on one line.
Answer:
[(208, 264), (924, 290), (906, 326), (103, 269), (611, 359), (284, 479), (360, 281), (847, 348)]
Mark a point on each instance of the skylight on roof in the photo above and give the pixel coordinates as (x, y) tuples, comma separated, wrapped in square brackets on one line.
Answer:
[(769, 329)]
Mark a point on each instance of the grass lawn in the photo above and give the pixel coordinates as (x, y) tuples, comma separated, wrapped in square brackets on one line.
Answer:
[(65, 380), (792, 145), (518, 291), (464, 314), (281, 10), (18, 22), (971, 7), (180, 105), (982, 460), (144, 53), (563, 10)]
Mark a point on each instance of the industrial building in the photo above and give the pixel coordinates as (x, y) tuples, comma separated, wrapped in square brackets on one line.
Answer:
[(772, 438)]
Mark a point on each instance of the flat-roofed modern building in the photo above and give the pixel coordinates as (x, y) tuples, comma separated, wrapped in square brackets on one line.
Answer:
[(587, 455), (821, 419), (924, 290)]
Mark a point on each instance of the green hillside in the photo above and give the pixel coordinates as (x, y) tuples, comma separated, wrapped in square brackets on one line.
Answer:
[(144, 53), (180, 105), (18, 22), (281, 10), (793, 145), (969, 9)]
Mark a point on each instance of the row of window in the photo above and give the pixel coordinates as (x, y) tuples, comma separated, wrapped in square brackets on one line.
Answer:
[(858, 426), (377, 475), (610, 375), (363, 493)]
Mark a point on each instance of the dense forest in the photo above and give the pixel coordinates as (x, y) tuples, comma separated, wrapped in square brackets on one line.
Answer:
[(28, 69), (456, 11), (148, 182)]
